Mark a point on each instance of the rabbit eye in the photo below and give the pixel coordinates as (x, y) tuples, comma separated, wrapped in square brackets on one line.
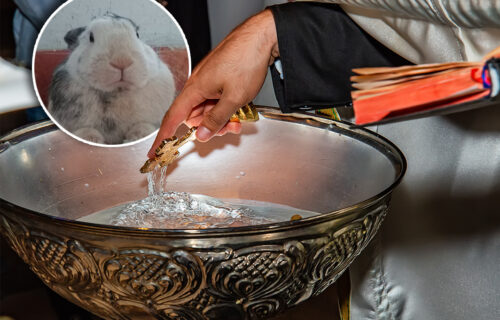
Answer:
[(137, 33), (91, 37)]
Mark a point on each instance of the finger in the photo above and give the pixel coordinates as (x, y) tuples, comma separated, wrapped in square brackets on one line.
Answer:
[(216, 118), (178, 112), (196, 111), (194, 119), (194, 122), (230, 127)]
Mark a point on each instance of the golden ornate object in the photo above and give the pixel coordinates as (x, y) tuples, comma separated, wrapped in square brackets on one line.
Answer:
[(247, 113), (167, 152)]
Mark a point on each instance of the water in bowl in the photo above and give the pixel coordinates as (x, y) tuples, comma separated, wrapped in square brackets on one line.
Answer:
[(181, 210)]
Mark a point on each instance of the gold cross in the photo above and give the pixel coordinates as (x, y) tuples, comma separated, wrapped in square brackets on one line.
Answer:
[(167, 152)]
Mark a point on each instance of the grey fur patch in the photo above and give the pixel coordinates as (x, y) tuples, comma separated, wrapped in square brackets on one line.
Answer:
[(64, 106), (106, 98), (109, 124), (71, 37)]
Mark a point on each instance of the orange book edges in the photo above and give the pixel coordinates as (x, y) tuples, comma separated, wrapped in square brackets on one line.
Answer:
[(437, 90)]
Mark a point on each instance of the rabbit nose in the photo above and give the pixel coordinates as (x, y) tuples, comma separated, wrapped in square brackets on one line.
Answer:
[(122, 63)]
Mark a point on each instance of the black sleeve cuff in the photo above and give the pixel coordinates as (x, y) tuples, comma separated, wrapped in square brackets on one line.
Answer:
[(319, 44)]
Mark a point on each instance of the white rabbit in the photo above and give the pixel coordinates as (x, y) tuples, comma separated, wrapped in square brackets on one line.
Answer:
[(113, 88)]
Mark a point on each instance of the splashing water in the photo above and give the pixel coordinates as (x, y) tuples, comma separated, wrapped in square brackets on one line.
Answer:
[(181, 210), (173, 210), (157, 180)]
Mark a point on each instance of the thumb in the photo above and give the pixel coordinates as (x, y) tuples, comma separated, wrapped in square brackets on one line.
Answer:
[(216, 118)]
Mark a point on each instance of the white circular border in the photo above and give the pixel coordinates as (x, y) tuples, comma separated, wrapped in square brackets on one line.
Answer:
[(57, 123)]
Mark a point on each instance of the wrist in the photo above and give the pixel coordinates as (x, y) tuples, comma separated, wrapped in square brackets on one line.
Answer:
[(271, 35), (265, 26)]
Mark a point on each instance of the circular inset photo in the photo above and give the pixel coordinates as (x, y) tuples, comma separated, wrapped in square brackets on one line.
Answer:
[(106, 71)]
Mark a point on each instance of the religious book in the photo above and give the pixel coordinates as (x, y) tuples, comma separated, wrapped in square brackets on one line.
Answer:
[(389, 94)]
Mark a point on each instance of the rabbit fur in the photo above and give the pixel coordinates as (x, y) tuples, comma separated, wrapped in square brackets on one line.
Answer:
[(113, 88)]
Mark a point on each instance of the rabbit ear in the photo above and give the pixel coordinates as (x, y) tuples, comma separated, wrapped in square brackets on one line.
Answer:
[(71, 37)]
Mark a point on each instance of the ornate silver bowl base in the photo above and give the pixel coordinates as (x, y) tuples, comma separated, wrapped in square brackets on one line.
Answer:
[(49, 180)]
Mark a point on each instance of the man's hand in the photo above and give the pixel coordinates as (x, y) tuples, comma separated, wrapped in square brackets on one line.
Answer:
[(229, 77)]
